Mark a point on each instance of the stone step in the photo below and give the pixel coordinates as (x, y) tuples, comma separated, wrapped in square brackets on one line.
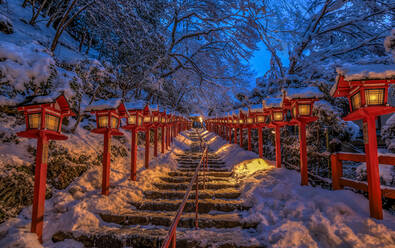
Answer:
[(185, 169), (205, 205), (213, 166), (184, 186), (197, 162), (208, 173), (226, 220), (149, 237), (203, 194), (201, 178)]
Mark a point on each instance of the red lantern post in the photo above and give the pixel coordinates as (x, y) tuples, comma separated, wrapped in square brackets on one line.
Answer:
[(147, 123), (108, 115), (301, 103), (134, 123), (366, 88), (43, 122)]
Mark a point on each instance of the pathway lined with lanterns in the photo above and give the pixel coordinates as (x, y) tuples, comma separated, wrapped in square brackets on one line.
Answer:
[(147, 222)]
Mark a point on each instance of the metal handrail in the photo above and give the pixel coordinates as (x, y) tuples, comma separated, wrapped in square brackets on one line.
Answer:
[(171, 235)]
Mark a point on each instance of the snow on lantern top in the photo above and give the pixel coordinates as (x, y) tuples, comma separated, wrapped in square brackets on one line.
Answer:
[(45, 114), (366, 88), (108, 115)]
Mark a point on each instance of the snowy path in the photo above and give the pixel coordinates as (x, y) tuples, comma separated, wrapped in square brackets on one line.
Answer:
[(287, 214)]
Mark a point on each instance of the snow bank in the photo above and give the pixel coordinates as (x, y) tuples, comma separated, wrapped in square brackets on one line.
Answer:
[(291, 215), (78, 206), (361, 72), (20, 65)]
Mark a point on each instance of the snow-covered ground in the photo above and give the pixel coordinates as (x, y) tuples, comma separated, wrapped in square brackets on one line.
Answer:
[(77, 207), (292, 215)]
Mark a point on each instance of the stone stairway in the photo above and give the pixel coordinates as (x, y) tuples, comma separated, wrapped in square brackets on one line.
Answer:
[(221, 222)]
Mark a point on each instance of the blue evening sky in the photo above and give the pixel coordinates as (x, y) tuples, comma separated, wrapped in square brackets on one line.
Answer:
[(260, 62)]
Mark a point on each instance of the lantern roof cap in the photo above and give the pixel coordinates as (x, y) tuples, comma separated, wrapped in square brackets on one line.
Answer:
[(348, 73), (60, 99), (301, 93), (107, 104), (271, 103)]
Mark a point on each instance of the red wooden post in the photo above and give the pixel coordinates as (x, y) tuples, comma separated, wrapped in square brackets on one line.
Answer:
[(174, 240), (39, 186), (235, 138), (155, 141), (337, 172), (230, 135), (147, 146), (278, 146), (163, 140), (372, 166), (303, 153), (168, 137), (106, 163), (133, 154), (260, 148), (249, 139), (241, 137)]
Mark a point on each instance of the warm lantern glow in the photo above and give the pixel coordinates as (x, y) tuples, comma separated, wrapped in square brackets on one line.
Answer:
[(250, 120), (304, 109), (235, 121), (147, 119), (356, 101), (103, 121), (241, 121), (132, 120), (34, 121), (140, 121), (261, 118), (374, 96), (114, 122), (156, 118), (294, 112), (278, 116), (163, 119), (51, 122)]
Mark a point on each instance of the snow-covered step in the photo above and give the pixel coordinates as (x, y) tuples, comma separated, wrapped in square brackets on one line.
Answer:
[(208, 173), (186, 169), (151, 237), (183, 179), (205, 205), (222, 220), (203, 194), (208, 185)]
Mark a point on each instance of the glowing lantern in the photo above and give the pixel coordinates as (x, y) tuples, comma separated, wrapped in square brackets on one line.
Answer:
[(366, 88), (50, 111)]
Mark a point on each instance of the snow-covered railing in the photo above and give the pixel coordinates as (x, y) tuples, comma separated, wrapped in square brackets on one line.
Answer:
[(171, 235), (339, 182)]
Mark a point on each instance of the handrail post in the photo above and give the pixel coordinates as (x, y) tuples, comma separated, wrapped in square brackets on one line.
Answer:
[(174, 239), (337, 172), (197, 201)]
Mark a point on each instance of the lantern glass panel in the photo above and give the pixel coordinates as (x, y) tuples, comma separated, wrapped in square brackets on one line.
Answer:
[(374, 96), (304, 109), (103, 121), (163, 119), (114, 122), (294, 112), (34, 121), (139, 121), (51, 122), (261, 118), (235, 121), (156, 118), (147, 119), (241, 121), (132, 120), (250, 120), (278, 116), (356, 101)]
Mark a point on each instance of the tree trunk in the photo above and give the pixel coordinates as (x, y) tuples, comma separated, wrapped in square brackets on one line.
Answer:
[(34, 17)]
